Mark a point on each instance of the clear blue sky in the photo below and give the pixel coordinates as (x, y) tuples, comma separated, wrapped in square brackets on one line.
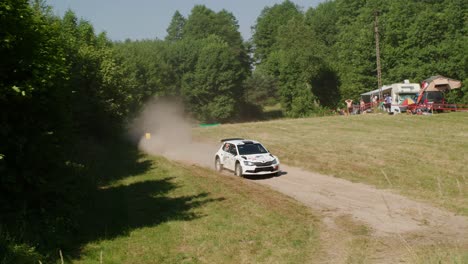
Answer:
[(149, 19)]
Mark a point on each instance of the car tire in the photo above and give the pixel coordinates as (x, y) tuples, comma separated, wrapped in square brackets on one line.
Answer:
[(238, 170), (218, 165)]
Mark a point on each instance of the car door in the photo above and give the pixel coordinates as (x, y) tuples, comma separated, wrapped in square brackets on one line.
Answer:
[(230, 156), (225, 155)]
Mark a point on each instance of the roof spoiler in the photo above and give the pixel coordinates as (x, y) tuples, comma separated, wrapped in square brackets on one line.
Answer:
[(228, 139)]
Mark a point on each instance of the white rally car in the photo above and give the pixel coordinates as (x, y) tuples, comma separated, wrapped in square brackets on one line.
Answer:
[(245, 157)]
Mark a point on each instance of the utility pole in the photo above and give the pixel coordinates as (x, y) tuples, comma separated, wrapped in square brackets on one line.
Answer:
[(377, 52)]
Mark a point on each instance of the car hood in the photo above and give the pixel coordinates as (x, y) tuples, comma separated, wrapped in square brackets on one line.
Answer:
[(259, 157)]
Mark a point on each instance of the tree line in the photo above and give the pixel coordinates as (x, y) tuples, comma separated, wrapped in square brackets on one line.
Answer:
[(327, 54), (67, 91)]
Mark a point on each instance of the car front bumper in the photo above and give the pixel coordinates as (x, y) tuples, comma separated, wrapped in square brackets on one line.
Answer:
[(260, 170)]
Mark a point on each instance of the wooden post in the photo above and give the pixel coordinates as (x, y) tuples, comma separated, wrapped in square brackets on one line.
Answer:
[(377, 52)]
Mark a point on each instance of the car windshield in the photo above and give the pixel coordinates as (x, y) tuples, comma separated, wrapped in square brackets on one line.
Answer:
[(248, 149)]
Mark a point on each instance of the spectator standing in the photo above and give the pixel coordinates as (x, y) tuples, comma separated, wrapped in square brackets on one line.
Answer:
[(384, 103), (388, 103), (349, 106), (374, 101), (362, 106)]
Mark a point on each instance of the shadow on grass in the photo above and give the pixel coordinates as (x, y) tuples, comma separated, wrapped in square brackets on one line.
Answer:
[(272, 114), (114, 161), (116, 211), (251, 112), (72, 209)]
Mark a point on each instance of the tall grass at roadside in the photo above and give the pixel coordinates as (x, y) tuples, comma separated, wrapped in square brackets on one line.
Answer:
[(439, 254), (422, 156), (177, 213)]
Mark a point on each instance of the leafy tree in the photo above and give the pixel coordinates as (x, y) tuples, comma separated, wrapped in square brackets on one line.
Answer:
[(267, 26), (419, 45), (303, 102), (186, 68), (293, 81), (211, 88), (298, 52), (35, 126), (203, 22), (296, 63), (325, 86), (182, 58), (176, 27), (99, 101), (228, 28), (146, 66), (61, 86), (411, 48), (200, 23), (261, 89), (356, 49), (323, 22), (214, 89)]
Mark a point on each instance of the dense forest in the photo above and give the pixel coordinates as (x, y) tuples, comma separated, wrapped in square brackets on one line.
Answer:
[(68, 92)]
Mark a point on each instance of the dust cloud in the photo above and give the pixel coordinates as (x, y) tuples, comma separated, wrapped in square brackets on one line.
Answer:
[(163, 128)]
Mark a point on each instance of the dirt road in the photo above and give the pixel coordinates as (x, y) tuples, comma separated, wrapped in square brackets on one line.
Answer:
[(384, 212)]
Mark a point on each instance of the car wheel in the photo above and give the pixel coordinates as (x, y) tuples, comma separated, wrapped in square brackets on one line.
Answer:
[(218, 165), (238, 170)]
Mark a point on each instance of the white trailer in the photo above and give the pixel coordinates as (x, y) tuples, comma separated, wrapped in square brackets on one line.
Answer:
[(398, 91), (402, 91)]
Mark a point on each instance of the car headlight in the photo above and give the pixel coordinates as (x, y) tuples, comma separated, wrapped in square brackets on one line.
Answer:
[(274, 161), (248, 163)]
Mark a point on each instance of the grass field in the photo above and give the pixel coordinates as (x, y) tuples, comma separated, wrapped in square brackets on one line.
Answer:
[(424, 157), (159, 211), (175, 213)]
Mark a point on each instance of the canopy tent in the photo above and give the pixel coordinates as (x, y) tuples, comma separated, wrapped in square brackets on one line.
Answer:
[(385, 89), (377, 91), (440, 83), (437, 83)]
